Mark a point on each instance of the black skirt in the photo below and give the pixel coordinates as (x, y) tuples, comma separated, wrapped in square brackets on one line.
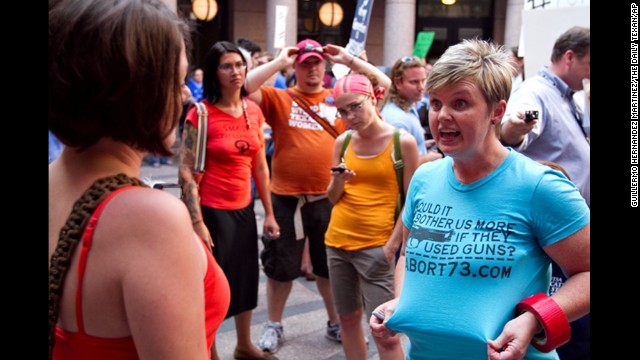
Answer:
[(235, 239)]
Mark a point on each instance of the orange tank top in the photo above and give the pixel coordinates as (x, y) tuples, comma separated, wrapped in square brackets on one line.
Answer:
[(79, 345), (364, 216)]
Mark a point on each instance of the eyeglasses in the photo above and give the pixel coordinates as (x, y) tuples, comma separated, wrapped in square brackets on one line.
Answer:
[(228, 67), (310, 48), (353, 109)]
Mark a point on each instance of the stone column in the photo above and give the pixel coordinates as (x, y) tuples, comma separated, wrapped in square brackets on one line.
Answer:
[(291, 33), (399, 30), (513, 25)]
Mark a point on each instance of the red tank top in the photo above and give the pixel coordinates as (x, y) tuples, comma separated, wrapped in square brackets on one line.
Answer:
[(79, 345)]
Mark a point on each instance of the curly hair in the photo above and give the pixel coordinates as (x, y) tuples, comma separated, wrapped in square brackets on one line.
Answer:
[(397, 72)]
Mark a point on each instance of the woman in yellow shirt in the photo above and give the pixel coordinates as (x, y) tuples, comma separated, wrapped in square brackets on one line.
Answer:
[(363, 234)]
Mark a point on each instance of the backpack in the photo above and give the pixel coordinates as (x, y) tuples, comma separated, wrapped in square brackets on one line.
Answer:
[(398, 164)]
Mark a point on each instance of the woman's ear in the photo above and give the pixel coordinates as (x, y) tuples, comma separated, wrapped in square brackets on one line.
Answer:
[(498, 111)]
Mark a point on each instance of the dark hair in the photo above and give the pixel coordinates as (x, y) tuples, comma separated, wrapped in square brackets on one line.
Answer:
[(577, 38), (114, 72), (248, 45), (211, 89)]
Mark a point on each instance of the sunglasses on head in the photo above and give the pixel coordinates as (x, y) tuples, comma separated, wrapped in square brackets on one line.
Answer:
[(310, 48), (407, 59)]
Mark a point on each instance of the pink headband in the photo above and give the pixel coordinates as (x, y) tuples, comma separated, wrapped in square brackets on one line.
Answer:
[(354, 83)]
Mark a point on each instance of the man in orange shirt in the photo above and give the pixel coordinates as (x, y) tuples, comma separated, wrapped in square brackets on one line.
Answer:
[(300, 172)]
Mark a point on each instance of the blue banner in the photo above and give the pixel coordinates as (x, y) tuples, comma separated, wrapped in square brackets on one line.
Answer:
[(360, 26)]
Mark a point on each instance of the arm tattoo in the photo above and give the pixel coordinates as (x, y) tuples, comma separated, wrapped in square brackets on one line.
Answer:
[(190, 193)]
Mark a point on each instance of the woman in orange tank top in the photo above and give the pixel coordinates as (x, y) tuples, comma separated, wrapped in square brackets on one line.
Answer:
[(363, 235)]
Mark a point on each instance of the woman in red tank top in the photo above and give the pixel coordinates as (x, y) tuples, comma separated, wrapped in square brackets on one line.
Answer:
[(129, 278)]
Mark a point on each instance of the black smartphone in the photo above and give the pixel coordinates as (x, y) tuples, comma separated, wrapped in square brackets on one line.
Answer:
[(529, 115), (339, 169)]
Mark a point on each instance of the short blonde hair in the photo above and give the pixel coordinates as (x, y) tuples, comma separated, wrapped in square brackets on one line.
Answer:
[(485, 63)]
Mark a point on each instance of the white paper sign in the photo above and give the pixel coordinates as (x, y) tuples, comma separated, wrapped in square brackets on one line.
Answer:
[(281, 26), (552, 4), (340, 70)]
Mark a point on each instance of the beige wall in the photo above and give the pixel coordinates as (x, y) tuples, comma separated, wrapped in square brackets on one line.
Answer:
[(249, 21)]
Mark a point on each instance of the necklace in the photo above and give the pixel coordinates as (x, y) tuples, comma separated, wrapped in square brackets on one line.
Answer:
[(246, 117), (232, 110)]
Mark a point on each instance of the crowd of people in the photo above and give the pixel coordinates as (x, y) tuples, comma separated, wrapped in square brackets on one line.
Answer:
[(475, 244)]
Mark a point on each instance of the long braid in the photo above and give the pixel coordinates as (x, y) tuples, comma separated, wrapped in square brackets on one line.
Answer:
[(70, 235)]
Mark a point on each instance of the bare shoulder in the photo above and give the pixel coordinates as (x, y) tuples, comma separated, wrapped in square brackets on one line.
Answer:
[(147, 215), (142, 198), (340, 139), (407, 139)]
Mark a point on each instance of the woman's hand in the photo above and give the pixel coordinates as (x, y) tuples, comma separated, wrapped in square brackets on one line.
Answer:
[(340, 172), (337, 54), (202, 231), (271, 227), (390, 250), (512, 343), (377, 321)]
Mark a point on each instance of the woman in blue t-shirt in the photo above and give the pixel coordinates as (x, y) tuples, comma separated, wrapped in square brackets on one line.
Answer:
[(481, 228)]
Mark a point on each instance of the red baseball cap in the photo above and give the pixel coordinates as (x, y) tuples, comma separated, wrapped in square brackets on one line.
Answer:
[(308, 48)]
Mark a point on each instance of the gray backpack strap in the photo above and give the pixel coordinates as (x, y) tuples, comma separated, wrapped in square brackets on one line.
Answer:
[(201, 140)]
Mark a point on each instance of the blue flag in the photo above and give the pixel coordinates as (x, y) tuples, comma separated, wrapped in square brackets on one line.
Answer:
[(360, 26)]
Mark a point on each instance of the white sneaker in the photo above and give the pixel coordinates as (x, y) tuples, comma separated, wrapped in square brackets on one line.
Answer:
[(272, 337)]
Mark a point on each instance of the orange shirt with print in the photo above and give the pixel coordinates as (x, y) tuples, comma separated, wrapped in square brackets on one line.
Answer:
[(303, 150)]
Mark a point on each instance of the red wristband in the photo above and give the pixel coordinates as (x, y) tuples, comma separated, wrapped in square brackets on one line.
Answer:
[(554, 322)]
